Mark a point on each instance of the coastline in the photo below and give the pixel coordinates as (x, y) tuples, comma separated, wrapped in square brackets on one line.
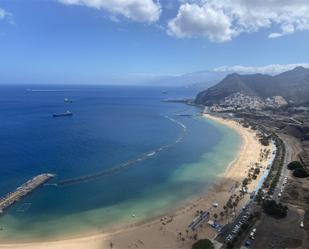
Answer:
[(149, 233)]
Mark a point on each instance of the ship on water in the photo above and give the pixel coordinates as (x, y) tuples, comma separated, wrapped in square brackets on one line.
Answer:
[(67, 113), (66, 100)]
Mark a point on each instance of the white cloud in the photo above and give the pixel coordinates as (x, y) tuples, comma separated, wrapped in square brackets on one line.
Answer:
[(4, 13), (136, 10), (222, 20), (269, 69)]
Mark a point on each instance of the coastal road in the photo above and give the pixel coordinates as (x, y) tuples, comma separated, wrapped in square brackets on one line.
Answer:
[(227, 229), (290, 153)]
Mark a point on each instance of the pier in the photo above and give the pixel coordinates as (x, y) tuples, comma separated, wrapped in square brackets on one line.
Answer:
[(23, 190)]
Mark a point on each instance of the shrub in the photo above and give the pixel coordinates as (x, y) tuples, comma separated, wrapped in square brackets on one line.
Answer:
[(244, 226), (300, 173), (203, 244), (245, 182), (271, 208), (257, 171), (264, 141), (230, 245), (294, 165)]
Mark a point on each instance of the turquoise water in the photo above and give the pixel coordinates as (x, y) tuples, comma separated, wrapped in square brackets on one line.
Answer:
[(110, 126)]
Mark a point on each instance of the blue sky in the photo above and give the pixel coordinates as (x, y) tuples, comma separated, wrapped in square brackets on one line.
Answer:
[(108, 41)]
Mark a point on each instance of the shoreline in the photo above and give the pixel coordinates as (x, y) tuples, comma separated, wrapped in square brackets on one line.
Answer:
[(146, 233)]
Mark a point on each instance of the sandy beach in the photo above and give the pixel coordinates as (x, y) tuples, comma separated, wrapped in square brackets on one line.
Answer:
[(171, 230)]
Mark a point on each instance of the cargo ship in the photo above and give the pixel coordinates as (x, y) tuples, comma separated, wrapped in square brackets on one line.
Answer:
[(67, 113)]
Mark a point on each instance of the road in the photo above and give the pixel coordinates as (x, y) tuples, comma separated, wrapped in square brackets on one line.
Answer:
[(227, 229), (284, 171), (291, 151)]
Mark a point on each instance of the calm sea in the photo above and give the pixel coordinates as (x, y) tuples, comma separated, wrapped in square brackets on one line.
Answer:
[(170, 158)]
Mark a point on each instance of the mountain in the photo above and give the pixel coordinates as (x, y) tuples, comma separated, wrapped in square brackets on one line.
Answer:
[(292, 85)]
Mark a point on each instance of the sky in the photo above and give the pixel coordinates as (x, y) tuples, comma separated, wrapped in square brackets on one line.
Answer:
[(137, 41)]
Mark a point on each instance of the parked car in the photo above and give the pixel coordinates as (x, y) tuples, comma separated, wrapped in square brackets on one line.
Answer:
[(248, 243), (301, 224)]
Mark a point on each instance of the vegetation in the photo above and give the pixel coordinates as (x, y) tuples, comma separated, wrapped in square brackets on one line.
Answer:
[(264, 141), (274, 174), (294, 165), (298, 169), (245, 182), (230, 245), (300, 173), (271, 208), (203, 244)]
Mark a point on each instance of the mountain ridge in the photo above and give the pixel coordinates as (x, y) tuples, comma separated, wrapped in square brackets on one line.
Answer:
[(292, 85)]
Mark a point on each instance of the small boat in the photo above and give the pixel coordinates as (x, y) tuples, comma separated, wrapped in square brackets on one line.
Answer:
[(67, 113), (66, 100)]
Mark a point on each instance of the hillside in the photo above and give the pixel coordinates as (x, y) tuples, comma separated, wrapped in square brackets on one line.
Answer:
[(293, 85)]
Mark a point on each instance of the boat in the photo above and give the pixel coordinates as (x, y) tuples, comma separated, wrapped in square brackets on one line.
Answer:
[(66, 100), (67, 113)]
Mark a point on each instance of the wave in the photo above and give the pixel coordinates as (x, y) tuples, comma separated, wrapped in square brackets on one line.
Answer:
[(117, 168)]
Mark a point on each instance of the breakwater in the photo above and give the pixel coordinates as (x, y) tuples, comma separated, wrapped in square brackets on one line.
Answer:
[(23, 190)]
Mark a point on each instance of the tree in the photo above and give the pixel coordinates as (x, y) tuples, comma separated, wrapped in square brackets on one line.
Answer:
[(230, 245), (300, 173), (264, 141), (271, 208), (203, 244), (245, 182), (215, 216), (235, 205), (294, 165), (221, 215), (195, 236)]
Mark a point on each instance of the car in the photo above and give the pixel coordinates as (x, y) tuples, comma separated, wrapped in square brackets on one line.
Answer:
[(248, 243), (229, 237), (215, 205), (254, 230), (301, 224)]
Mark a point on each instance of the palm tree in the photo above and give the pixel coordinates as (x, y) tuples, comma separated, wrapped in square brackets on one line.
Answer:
[(222, 215), (179, 235), (234, 205), (215, 216)]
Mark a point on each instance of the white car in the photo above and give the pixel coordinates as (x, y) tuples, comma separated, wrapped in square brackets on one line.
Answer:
[(301, 224)]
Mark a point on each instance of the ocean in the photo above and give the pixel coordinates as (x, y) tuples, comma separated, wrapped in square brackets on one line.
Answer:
[(132, 156)]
